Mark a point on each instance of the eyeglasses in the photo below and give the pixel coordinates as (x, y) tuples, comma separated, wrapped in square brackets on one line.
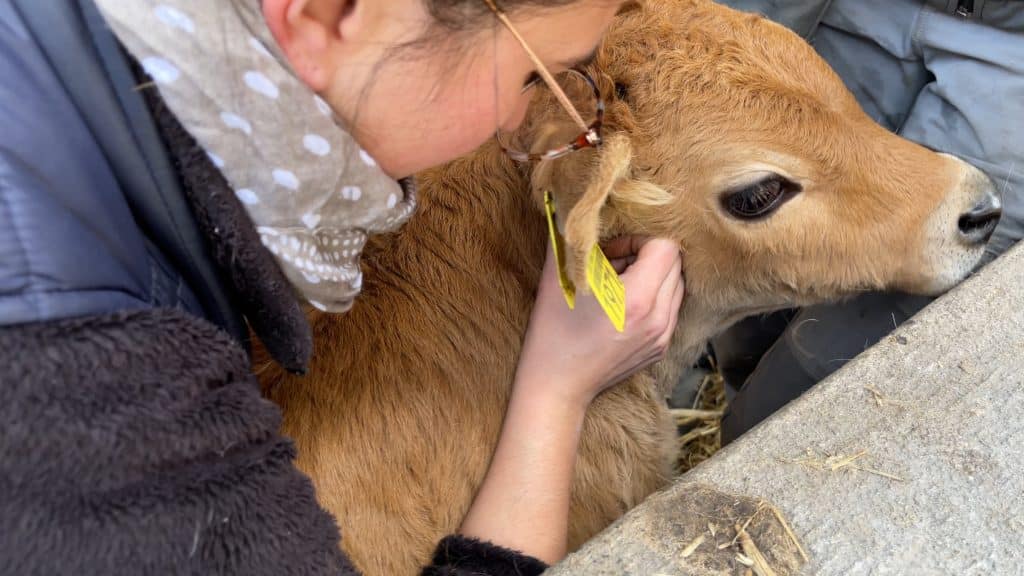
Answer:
[(574, 90)]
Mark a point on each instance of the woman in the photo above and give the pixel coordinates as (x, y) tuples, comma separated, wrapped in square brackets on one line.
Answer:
[(136, 214)]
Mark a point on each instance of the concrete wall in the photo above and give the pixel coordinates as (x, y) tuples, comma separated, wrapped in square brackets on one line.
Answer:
[(933, 419)]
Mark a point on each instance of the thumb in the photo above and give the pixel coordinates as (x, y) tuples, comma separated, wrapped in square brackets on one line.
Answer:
[(654, 261)]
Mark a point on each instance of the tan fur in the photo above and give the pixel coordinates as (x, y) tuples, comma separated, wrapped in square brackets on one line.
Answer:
[(397, 420)]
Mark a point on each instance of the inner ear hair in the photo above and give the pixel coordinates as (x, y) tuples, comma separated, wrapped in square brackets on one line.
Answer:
[(640, 193)]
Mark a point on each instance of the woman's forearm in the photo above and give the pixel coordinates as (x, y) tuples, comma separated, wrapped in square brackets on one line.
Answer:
[(568, 357), (523, 503)]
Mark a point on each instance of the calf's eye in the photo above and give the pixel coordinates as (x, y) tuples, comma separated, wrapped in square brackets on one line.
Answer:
[(760, 199)]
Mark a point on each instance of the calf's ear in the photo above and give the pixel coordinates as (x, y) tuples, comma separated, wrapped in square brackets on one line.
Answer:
[(581, 185)]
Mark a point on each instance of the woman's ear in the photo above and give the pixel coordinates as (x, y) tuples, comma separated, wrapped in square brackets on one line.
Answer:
[(313, 34)]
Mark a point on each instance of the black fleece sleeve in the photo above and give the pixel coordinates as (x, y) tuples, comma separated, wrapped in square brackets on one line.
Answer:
[(138, 443), (461, 556)]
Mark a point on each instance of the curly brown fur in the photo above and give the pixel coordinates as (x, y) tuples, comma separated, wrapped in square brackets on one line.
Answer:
[(138, 443)]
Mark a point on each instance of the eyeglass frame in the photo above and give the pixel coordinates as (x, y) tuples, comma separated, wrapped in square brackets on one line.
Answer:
[(591, 135)]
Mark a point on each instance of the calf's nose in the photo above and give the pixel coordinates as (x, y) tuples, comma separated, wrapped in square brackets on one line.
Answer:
[(976, 226)]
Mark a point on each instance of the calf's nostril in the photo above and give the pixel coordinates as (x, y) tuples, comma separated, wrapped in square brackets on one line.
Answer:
[(976, 226)]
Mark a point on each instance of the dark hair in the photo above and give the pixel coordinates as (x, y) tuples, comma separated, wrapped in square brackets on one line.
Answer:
[(467, 15)]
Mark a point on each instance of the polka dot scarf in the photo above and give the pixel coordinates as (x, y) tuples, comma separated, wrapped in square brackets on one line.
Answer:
[(311, 192)]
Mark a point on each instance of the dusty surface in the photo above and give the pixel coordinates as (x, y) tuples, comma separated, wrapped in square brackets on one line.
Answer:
[(910, 460), (719, 534)]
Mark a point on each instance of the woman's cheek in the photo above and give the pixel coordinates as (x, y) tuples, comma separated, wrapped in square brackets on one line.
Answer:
[(474, 124), (517, 113)]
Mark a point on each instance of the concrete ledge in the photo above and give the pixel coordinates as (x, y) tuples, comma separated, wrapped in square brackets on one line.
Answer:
[(908, 461)]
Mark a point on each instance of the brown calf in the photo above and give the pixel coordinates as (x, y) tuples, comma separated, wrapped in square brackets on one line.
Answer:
[(724, 132)]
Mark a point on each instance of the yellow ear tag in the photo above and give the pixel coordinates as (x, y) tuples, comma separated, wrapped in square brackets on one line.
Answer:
[(607, 287), (558, 245)]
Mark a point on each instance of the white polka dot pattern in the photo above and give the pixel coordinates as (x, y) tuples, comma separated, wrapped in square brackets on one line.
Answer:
[(174, 18), (366, 158), (311, 220), (259, 83), (353, 193), (260, 48), (316, 144), (322, 106), (311, 191), (162, 71), (237, 122), (247, 196), (286, 178)]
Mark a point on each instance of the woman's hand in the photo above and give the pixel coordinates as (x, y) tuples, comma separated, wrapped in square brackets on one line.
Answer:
[(568, 358), (578, 353)]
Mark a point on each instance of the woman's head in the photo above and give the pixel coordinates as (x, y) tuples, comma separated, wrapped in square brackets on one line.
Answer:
[(420, 82)]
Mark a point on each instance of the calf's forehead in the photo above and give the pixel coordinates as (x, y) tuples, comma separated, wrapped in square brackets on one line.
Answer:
[(724, 82), (696, 47)]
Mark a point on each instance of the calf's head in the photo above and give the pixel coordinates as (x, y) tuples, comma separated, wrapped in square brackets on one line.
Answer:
[(729, 134)]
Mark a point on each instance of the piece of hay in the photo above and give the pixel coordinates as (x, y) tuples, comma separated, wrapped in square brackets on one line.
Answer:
[(740, 529), (744, 560), (881, 399), (750, 550), (692, 546), (789, 531), (699, 444), (847, 460), (879, 473), (838, 462), (699, 433), (693, 414)]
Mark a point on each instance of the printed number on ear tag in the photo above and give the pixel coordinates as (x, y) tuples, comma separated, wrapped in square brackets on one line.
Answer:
[(607, 287), (558, 245)]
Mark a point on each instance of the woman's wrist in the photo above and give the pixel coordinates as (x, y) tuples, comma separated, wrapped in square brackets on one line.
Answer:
[(552, 392), (543, 401)]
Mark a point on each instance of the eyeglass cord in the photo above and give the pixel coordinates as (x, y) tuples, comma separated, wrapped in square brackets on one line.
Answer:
[(541, 68)]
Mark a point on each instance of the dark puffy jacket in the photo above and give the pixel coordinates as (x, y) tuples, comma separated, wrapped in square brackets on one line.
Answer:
[(133, 438)]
